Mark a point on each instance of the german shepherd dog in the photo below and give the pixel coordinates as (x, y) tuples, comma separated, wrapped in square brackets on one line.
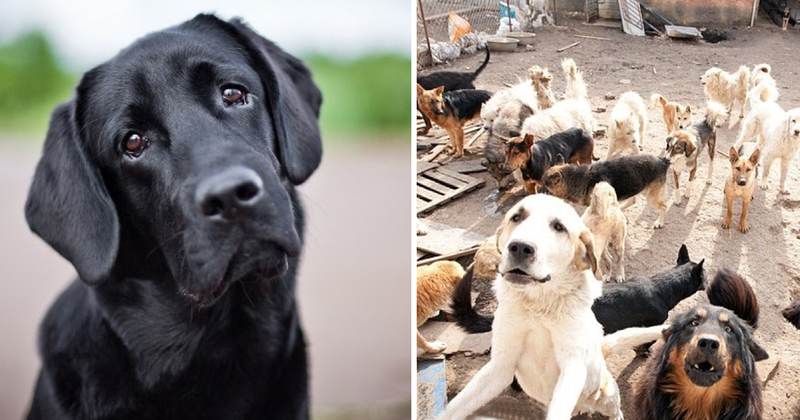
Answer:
[(705, 367), (535, 157), (741, 183), (629, 175), (450, 80), (451, 110)]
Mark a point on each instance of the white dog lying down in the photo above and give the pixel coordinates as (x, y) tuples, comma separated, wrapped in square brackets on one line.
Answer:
[(544, 330), (778, 137)]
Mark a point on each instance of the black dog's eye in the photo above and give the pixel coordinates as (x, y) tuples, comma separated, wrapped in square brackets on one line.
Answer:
[(558, 227), (135, 144), (234, 96)]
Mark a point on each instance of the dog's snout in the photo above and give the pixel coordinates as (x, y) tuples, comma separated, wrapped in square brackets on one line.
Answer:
[(229, 195), (742, 182), (708, 345), (796, 132), (521, 252)]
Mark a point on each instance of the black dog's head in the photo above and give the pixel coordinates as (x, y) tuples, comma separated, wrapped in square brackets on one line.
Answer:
[(709, 344), (178, 158)]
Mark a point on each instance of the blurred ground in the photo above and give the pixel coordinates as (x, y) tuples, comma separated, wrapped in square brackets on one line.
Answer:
[(767, 256), (354, 288)]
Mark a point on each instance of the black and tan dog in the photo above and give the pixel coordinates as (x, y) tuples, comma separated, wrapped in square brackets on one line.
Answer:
[(451, 110), (535, 157), (705, 366), (450, 81), (629, 175)]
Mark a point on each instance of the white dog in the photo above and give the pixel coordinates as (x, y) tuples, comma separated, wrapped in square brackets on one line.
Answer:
[(541, 80), (762, 86), (574, 111), (628, 124), (520, 95), (544, 330), (778, 137), (727, 89), (608, 224)]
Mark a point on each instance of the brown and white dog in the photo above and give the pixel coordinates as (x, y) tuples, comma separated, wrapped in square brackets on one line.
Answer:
[(544, 331), (741, 183), (676, 116), (435, 285)]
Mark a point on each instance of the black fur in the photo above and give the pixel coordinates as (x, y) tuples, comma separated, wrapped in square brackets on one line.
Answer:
[(629, 175), (544, 152), (638, 302), (646, 301), (730, 290), (792, 314), (465, 103), (453, 80), (152, 330)]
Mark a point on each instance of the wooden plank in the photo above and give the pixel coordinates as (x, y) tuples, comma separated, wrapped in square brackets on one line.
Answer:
[(423, 166), (428, 194), (456, 175), (421, 203), (599, 38), (450, 256), (435, 186), (454, 183), (562, 49), (433, 153), (465, 166)]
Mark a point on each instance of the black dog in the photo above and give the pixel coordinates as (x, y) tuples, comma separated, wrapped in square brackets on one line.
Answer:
[(706, 366), (638, 302), (167, 181), (792, 314), (450, 81)]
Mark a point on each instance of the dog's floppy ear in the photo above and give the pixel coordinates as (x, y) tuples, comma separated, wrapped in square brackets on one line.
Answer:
[(754, 157), (584, 258), (689, 148), (683, 255), (68, 205), (294, 101), (528, 140), (733, 155)]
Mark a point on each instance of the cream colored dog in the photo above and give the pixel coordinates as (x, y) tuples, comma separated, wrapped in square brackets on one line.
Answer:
[(574, 111), (516, 98), (727, 89), (609, 227), (544, 330), (628, 124)]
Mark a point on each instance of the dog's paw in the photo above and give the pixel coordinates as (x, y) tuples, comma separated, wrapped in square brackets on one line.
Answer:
[(764, 186), (744, 227), (726, 224), (437, 347), (618, 279), (785, 192), (658, 224)]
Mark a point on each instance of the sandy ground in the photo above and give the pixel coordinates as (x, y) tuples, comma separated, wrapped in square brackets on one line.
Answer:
[(767, 256), (354, 295)]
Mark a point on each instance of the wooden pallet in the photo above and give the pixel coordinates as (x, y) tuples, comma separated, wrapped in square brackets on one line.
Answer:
[(438, 186)]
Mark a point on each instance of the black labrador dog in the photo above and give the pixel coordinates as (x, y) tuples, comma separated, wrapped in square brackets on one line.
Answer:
[(169, 183)]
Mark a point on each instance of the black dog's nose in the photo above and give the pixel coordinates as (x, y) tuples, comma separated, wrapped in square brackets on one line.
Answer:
[(520, 251), (708, 345), (229, 194)]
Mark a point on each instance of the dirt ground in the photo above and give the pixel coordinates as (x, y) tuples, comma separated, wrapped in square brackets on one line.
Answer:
[(767, 256)]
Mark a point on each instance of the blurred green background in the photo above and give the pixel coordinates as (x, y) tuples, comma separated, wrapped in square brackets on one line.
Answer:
[(364, 97)]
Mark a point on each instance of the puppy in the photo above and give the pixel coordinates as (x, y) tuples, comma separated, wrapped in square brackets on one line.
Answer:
[(682, 153), (727, 89), (639, 302), (778, 136), (534, 158), (741, 183), (511, 105), (705, 366), (451, 110), (609, 227), (574, 111), (705, 133), (435, 284), (451, 81), (545, 289), (628, 124), (494, 160), (676, 116), (629, 175), (540, 80)]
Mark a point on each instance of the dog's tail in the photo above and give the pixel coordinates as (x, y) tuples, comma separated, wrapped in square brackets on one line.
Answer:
[(743, 77), (763, 92), (716, 114), (792, 314), (461, 303), (630, 338), (731, 291), (482, 66), (657, 100), (576, 87), (763, 67)]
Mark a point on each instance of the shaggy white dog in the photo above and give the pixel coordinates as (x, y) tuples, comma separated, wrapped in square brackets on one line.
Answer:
[(628, 124), (516, 98), (727, 89)]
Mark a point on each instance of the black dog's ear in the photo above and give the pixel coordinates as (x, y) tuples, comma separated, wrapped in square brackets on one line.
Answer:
[(294, 101), (68, 205), (759, 353), (683, 255)]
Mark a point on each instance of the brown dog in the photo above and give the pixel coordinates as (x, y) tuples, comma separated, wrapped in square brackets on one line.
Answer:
[(451, 110), (676, 116), (740, 184), (435, 284)]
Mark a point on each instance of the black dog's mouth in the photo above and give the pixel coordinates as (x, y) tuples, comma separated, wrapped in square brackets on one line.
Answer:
[(704, 372), (259, 270), (517, 276)]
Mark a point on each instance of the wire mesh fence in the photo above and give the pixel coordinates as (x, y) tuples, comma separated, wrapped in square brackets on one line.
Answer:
[(482, 15)]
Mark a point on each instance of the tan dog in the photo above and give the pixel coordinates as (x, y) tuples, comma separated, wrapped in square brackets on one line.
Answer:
[(741, 183), (676, 116), (435, 284), (609, 227), (628, 125)]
